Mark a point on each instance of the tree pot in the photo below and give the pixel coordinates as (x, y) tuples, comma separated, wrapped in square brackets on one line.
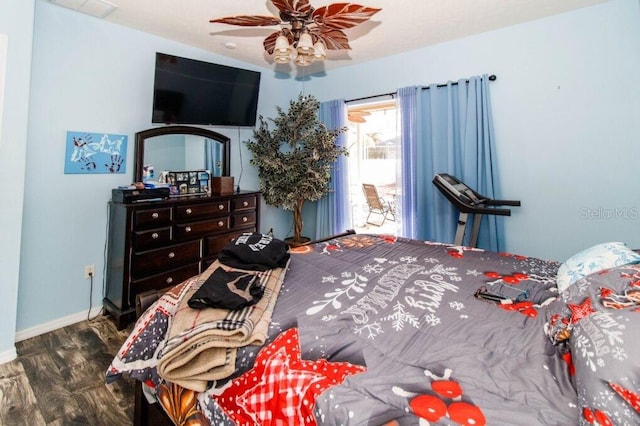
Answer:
[(292, 243)]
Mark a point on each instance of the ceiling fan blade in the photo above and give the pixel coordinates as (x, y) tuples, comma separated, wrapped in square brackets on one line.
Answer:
[(332, 39), (343, 15), (248, 21), (356, 118), (293, 7)]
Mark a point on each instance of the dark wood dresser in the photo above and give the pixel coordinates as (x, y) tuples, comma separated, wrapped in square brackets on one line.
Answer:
[(154, 245)]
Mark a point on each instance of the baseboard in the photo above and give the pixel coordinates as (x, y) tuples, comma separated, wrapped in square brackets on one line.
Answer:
[(8, 356), (56, 324)]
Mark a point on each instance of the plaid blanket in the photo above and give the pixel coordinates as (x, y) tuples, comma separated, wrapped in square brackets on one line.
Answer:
[(202, 343)]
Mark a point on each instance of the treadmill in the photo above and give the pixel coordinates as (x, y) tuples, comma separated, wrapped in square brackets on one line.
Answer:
[(468, 201)]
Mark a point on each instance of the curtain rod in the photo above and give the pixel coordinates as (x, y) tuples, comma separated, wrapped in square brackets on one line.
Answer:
[(492, 77)]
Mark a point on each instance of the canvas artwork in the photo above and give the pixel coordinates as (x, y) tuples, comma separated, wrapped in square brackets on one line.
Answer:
[(95, 153)]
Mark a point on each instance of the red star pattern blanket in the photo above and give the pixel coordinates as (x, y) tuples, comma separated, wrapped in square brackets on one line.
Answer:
[(281, 388)]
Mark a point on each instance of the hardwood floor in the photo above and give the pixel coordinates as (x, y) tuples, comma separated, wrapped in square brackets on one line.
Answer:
[(59, 379)]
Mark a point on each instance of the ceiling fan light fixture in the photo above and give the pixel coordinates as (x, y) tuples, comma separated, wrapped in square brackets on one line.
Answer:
[(319, 52), (282, 46), (303, 60), (281, 59), (305, 44)]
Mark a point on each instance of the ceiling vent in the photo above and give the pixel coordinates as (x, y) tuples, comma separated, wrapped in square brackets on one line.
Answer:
[(97, 8)]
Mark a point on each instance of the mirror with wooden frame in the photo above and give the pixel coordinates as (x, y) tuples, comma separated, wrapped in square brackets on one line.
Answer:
[(181, 148)]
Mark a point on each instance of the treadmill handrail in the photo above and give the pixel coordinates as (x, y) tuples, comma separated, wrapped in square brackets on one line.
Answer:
[(486, 210), (503, 202)]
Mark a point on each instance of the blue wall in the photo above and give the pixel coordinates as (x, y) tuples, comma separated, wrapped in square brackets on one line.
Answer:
[(566, 107), (16, 22), (89, 75)]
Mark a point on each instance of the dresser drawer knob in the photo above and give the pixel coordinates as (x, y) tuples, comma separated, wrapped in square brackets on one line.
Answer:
[(155, 235), (245, 203), (169, 280), (172, 255), (155, 215), (220, 223), (187, 229), (220, 206), (188, 211), (245, 219)]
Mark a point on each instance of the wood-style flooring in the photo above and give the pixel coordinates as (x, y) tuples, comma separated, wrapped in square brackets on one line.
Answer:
[(58, 378)]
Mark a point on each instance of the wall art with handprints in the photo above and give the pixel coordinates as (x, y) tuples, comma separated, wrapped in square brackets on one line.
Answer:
[(95, 153)]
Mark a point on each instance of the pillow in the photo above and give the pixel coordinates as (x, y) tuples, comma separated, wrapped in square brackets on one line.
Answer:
[(594, 259)]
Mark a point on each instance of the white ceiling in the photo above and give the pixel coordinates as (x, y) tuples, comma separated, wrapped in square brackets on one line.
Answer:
[(401, 25)]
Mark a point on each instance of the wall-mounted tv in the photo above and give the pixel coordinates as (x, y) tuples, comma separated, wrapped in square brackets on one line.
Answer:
[(187, 91)]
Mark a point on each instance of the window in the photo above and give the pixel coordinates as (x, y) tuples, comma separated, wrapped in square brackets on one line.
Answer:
[(373, 155)]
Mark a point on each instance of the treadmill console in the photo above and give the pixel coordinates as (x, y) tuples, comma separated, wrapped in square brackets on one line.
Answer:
[(468, 201), (457, 189)]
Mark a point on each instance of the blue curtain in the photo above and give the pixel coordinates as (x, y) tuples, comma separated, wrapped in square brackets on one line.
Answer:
[(446, 129), (333, 212), (407, 103), (212, 157)]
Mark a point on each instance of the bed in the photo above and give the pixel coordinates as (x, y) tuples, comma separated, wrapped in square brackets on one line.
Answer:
[(382, 330)]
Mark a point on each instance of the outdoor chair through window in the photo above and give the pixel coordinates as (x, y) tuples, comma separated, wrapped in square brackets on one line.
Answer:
[(377, 205)]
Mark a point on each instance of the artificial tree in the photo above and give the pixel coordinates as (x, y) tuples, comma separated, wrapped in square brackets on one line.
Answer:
[(295, 159)]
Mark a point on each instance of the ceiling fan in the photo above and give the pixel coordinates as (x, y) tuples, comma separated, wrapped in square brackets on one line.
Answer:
[(357, 116), (306, 32)]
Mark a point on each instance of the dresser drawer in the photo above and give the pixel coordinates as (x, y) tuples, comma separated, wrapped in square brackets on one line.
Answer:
[(248, 218), (202, 210), (151, 237), (244, 203), (195, 229), (154, 245), (213, 245), (155, 261), (152, 217), (163, 280)]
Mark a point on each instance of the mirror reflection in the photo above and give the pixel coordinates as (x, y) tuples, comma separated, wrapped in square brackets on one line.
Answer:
[(183, 152), (180, 148)]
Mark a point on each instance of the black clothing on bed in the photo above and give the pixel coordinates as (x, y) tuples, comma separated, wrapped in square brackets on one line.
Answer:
[(255, 251), (227, 290)]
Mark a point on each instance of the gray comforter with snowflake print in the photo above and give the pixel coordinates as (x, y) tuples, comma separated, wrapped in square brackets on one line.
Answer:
[(597, 322), (406, 311)]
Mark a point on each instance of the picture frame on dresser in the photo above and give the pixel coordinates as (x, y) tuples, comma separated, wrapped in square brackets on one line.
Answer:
[(189, 182)]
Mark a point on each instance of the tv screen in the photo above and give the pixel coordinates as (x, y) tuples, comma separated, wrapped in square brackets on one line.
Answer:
[(187, 91)]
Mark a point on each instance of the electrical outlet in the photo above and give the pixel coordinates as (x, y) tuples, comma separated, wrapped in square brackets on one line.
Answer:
[(89, 271)]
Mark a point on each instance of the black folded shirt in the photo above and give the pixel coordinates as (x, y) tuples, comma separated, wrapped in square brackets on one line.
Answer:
[(255, 251), (227, 290)]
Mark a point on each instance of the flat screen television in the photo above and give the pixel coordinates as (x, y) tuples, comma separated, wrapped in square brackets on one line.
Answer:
[(187, 91)]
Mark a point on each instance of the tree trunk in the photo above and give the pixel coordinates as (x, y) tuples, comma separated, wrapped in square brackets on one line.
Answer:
[(298, 222)]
